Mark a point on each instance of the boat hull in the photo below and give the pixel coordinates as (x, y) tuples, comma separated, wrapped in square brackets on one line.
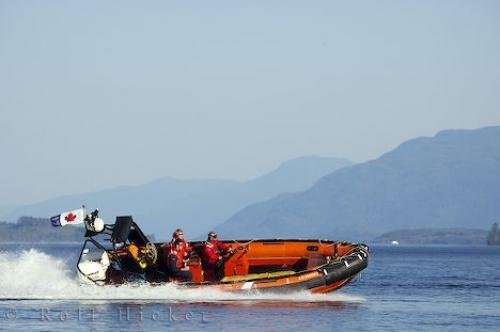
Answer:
[(324, 279)]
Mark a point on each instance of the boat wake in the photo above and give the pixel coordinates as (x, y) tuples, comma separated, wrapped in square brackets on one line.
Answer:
[(34, 275)]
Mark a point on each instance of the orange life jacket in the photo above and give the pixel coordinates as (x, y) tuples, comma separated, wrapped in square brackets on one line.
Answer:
[(181, 251)]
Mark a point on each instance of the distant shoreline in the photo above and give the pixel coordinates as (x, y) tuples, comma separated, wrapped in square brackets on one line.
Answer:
[(38, 231), (434, 236)]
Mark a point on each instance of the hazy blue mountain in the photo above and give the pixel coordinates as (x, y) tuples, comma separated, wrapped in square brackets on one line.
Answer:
[(450, 180), (195, 205)]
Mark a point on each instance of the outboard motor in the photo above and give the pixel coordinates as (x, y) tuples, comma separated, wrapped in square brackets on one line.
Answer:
[(92, 266)]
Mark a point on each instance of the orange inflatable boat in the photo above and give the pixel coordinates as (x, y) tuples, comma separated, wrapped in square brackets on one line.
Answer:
[(121, 253)]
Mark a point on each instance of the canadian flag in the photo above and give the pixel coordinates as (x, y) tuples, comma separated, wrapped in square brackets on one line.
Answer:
[(66, 218)]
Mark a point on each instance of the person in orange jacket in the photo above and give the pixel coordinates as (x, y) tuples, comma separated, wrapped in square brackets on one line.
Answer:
[(214, 254), (178, 253)]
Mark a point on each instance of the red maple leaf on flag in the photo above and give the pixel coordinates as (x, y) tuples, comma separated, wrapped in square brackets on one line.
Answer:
[(70, 217)]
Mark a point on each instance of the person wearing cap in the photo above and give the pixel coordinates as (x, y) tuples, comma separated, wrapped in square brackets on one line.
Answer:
[(178, 252), (214, 253)]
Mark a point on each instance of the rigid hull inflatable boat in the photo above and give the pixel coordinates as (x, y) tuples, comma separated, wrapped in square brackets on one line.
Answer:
[(121, 253)]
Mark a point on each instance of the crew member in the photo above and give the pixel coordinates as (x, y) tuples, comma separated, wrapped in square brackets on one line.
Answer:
[(214, 254), (179, 252)]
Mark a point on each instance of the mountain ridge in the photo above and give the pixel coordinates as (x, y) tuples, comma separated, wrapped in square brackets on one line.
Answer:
[(164, 204), (451, 179)]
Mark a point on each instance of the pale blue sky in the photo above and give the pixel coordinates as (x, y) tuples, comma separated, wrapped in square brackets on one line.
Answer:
[(99, 93)]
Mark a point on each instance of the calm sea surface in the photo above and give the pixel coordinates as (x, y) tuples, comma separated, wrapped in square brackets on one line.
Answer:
[(404, 288)]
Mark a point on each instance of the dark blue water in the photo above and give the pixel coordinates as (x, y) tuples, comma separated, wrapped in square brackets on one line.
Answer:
[(404, 288)]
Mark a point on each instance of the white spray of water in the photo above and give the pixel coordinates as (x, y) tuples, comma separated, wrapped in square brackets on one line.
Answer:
[(35, 275)]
